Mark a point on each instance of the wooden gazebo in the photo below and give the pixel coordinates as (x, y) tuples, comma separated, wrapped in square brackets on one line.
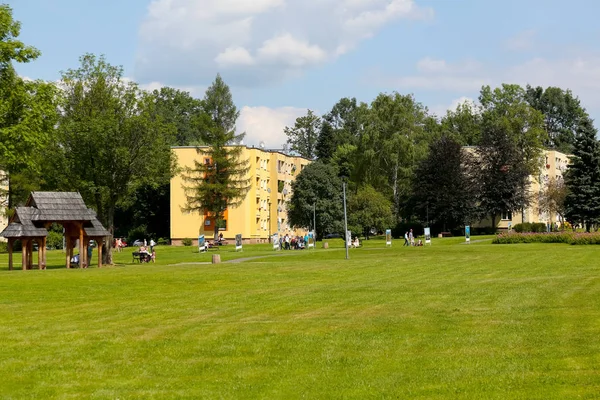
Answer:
[(30, 224)]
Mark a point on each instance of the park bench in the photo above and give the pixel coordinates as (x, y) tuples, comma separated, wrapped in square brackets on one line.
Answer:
[(446, 234), (140, 257)]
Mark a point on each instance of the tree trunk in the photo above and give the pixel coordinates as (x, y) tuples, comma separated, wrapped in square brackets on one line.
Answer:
[(494, 222), (110, 222), (395, 189)]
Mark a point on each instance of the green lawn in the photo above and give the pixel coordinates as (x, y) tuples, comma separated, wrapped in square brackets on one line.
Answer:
[(451, 320)]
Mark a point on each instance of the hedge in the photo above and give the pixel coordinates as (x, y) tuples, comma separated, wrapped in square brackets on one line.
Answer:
[(576, 238)]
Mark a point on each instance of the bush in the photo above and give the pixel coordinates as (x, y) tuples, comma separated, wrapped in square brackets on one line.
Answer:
[(537, 227), (54, 240), (136, 233), (187, 242), (3, 247), (163, 242), (579, 238)]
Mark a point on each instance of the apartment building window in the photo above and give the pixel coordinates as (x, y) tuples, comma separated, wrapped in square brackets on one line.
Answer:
[(506, 216)]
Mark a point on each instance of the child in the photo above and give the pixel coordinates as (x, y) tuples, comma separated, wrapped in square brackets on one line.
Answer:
[(153, 256)]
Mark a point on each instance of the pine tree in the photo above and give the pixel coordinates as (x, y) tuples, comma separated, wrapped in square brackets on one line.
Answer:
[(222, 181), (583, 178)]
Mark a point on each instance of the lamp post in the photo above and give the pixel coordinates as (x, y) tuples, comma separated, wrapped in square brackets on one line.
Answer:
[(345, 221), (269, 213), (315, 220)]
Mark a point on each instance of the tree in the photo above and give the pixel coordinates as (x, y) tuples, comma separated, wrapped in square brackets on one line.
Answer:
[(303, 136), (27, 108), (552, 198), (111, 138), (464, 124), (340, 126), (562, 114), (369, 209), (184, 112), (442, 188), (500, 173), (582, 204), (317, 184), (509, 123), (391, 142), (222, 182)]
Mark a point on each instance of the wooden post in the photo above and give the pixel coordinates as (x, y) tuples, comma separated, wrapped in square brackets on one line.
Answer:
[(40, 251), (86, 262), (44, 252), (10, 254), (30, 254), (81, 248), (24, 254), (68, 249), (99, 252)]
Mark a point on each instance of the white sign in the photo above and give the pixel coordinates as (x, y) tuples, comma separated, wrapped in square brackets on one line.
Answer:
[(388, 237), (349, 239), (275, 241), (427, 236)]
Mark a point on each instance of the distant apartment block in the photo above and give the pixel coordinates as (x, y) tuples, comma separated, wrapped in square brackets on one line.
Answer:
[(263, 212)]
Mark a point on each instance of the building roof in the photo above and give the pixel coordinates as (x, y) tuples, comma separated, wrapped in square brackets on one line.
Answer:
[(45, 207), (60, 206), (23, 225)]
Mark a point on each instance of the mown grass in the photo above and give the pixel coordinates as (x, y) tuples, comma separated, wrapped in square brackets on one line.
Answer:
[(446, 321)]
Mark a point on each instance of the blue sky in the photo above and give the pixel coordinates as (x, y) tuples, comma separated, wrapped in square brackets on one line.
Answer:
[(281, 57)]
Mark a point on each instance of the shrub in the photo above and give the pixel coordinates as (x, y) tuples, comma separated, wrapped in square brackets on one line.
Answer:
[(163, 242), (3, 247), (54, 240), (580, 238), (187, 242), (136, 233)]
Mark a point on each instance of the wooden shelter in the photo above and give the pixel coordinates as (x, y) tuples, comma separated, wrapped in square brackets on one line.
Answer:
[(30, 224)]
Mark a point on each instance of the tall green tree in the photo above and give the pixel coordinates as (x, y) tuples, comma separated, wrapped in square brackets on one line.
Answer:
[(111, 138), (392, 140), (463, 124), (582, 203), (443, 191), (222, 182), (303, 136), (27, 109), (340, 126), (520, 129), (183, 111), (500, 173), (369, 209), (562, 114), (317, 184)]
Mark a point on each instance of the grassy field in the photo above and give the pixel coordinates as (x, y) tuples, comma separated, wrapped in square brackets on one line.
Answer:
[(451, 320)]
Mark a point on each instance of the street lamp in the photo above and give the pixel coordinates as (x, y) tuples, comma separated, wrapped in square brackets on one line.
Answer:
[(269, 214)]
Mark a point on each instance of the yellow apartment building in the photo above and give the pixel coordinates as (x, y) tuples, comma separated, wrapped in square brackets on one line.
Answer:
[(554, 167), (263, 211)]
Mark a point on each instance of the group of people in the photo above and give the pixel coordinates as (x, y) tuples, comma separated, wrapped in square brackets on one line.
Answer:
[(145, 255), (288, 242), (409, 239)]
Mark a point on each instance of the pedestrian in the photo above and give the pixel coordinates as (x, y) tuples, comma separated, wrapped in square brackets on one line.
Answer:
[(152, 244), (406, 243), (411, 238)]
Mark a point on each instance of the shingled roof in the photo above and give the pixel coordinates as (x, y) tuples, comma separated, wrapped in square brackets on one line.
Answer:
[(52, 207), (60, 206), (23, 225)]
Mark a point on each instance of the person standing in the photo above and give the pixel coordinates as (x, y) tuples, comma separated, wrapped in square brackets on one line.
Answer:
[(411, 238), (152, 244), (406, 243)]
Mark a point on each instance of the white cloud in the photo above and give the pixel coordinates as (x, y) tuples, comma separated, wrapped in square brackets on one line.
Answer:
[(266, 124), (441, 109), (234, 56), (184, 42)]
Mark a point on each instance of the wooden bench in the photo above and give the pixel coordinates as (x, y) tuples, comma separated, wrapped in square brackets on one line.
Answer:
[(446, 234), (140, 257)]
